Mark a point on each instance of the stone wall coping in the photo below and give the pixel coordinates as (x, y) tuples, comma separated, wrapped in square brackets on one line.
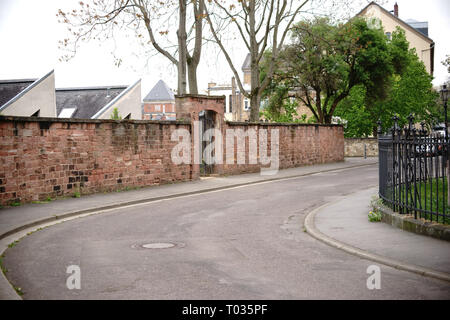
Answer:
[(69, 120), (281, 124), (408, 223), (202, 96)]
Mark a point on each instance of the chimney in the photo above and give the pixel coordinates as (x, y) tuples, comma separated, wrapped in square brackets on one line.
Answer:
[(211, 85), (396, 10)]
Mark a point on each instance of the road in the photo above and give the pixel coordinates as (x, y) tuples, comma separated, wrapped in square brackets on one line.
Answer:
[(242, 243)]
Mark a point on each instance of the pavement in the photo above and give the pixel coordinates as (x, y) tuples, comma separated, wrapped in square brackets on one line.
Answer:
[(237, 237), (344, 224)]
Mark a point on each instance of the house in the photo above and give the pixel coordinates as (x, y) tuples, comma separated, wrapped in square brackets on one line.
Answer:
[(159, 103), (28, 97), (237, 106), (99, 102), (416, 32)]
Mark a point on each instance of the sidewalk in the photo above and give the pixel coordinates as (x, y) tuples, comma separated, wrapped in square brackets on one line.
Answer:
[(15, 218), (345, 224)]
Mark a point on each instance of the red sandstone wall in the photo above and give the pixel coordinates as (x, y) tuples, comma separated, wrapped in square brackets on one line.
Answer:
[(299, 145), (42, 158)]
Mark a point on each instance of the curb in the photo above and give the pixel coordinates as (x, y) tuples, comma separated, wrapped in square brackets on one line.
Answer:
[(315, 233), (409, 224), (11, 293), (153, 199)]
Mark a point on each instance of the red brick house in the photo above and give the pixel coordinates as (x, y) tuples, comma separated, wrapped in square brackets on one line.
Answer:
[(159, 104)]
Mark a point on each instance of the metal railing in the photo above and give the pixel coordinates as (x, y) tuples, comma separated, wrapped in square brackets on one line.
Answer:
[(413, 172)]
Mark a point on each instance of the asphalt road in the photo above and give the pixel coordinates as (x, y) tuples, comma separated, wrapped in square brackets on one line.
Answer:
[(242, 243)]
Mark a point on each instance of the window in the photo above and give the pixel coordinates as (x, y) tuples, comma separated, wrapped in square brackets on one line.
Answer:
[(230, 108), (67, 112), (157, 107), (246, 104)]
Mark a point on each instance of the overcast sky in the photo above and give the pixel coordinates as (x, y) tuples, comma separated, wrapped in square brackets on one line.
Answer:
[(29, 33)]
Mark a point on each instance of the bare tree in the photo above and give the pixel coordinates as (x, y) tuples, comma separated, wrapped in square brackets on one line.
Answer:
[(261, 24), (100, 19), (264, 25)]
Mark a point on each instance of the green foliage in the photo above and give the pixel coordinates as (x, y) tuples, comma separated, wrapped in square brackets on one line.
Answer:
[(410, 92), (2, 267), (18, 290), (354, 111), (375, 216), (351, 71), (446, 62), (115, 114), (13, 244), (325, 61), (48, 200)]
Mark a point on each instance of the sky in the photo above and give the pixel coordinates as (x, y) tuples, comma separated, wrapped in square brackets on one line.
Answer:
[(29, 34)]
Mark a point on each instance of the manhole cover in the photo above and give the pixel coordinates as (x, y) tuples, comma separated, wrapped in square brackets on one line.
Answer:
[(158, 245)]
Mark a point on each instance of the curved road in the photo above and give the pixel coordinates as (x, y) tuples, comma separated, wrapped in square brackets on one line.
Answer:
[(242, 243)]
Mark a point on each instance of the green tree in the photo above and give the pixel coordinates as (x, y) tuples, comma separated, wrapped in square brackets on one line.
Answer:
[(115, 114), (410, 92), (352, 109), (325, 61), (446, 62)]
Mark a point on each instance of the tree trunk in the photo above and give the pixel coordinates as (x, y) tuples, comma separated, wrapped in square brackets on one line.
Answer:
[(375, 132), (194, 60), (255, 93), (192, 77), (255, 101), (182, 49)]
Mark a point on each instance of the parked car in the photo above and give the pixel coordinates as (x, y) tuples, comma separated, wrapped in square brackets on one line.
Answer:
[(439, 130)]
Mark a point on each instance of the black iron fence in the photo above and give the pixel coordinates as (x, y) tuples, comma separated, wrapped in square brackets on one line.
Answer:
[(413, 172)]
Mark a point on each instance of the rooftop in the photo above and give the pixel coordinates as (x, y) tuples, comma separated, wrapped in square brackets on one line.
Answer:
[(86, 101), (11, 88), (160, 92)]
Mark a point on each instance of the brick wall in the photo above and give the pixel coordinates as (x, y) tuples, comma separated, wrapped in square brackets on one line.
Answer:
[(50, 157), (299, 145), (42, 158), (354, 147)]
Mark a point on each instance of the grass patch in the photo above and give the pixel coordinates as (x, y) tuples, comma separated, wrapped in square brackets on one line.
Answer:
[(2, 267), (18, 290), (13, 244), (431, 195), (375, 216), (48, 200)]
